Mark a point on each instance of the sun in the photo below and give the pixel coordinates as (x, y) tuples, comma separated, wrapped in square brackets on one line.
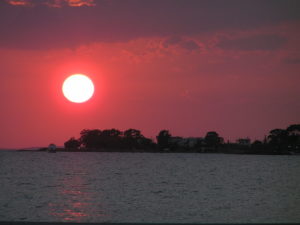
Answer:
[(78, 88)]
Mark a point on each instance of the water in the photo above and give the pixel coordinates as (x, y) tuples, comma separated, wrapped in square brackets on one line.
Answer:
[(147, 187)]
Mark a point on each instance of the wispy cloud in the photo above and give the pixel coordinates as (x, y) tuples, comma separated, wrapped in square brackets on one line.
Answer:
[(77, 3), (92, 21), (52, 3), (19, 2), (183, 43)]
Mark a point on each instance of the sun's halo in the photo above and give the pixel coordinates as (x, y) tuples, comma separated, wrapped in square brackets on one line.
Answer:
[(78, 88)]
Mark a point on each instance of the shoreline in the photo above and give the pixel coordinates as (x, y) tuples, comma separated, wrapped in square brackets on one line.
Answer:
[(227, 151)]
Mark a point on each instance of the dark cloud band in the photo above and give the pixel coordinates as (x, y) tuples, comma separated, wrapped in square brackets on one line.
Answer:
[(42, 26)]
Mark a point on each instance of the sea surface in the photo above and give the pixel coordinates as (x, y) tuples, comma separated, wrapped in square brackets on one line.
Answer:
[(149, 187)]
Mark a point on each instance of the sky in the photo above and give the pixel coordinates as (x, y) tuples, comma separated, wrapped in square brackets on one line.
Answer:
[(189, 66)]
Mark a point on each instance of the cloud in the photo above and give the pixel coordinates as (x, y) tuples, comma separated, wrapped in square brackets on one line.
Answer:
[(19, 2), (265, 42), (59, 23), (76, 3), (190, 45), (52, 3), (172, 41), (181, 42)]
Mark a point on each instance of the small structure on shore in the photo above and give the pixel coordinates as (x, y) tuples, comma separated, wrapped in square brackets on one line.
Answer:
[(185, 143), (52, 148)]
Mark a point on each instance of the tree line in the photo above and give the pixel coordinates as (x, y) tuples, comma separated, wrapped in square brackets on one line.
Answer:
[(278, 141)]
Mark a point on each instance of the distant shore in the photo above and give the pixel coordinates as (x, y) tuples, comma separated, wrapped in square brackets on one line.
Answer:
[(219, 151)]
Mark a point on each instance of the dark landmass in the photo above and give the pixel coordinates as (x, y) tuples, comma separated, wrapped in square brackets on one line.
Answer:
[(277, 142)]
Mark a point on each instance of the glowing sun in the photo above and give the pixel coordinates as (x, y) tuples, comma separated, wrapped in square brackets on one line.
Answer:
[(78, 88)]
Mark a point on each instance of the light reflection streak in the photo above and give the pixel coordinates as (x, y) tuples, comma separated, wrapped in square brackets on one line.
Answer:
[(74, 200)]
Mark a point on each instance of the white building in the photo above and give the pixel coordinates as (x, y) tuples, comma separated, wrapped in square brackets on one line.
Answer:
[(190, 142), (244, 141)]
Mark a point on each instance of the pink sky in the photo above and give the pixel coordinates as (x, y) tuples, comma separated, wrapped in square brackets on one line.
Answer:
[(187, 66)]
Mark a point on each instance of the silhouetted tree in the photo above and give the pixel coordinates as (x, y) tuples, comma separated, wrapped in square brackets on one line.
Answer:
[(163, 139), (212, 139), (133, 138), (146, 143), (278, 140), (132, 133), (294, 128), (244, 141), (294, 137), (111, 133), (110, 138), (72, 143), (90, 138)]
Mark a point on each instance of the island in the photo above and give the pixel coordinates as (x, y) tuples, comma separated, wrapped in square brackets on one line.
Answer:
[(277, 142)]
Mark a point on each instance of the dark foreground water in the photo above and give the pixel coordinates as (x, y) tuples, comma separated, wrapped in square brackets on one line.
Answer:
[(145, 187)]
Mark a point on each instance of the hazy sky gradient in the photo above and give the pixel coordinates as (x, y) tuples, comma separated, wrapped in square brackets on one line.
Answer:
[(187, 66)]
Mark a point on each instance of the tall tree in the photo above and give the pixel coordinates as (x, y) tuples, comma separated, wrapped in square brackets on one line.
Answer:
[(278, 140), (110, 138), (212, 139), (132, 133), (294, 137), (72, 143), (132, 138), (294, 129), (90, 138), (163, 139)]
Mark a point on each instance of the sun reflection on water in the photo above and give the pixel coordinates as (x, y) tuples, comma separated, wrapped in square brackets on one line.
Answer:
[(74, 200)]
